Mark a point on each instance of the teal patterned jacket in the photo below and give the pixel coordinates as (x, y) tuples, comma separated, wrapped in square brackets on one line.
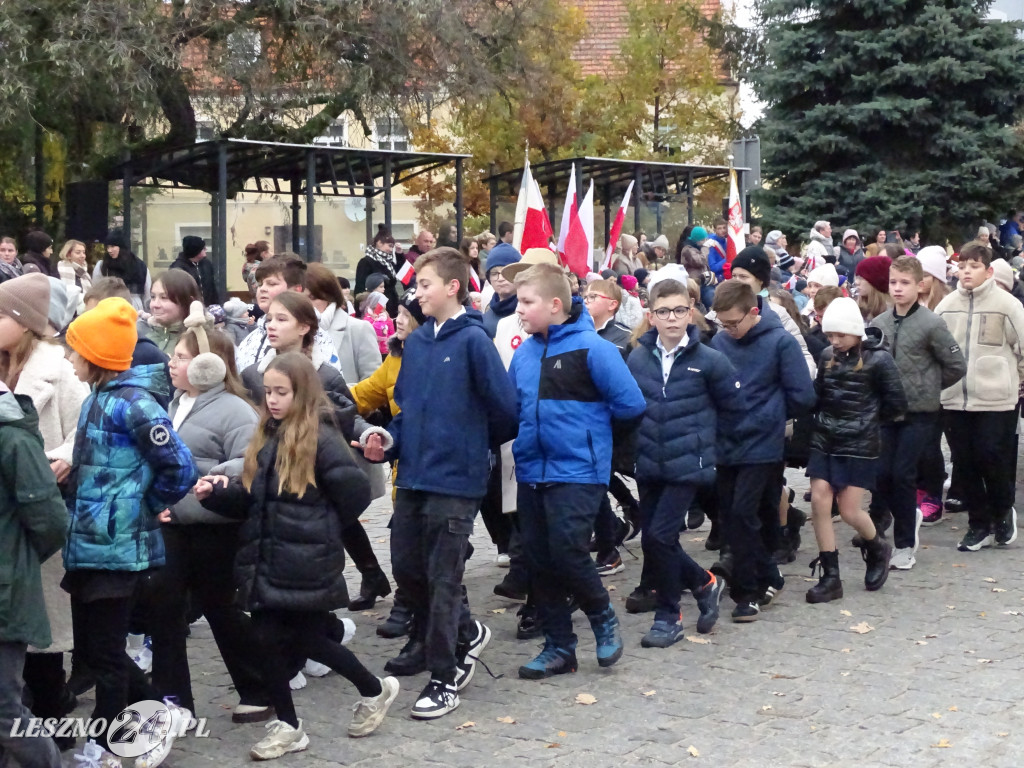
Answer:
[(130, 465)]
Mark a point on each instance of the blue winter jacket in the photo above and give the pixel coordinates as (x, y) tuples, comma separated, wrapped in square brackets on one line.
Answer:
[(676, 439), (716, 258), (456, 404), (776, 386), (129, 465), (570, 386)]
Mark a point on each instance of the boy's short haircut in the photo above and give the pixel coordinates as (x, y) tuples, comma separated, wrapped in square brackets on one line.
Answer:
[(665, 288), (449, 264), (288, 265), (107, 288), (909, 265), (733, 294), (504, 228), (975, 251), (607, 288), (550, 282), (825, 296), (719, 221)]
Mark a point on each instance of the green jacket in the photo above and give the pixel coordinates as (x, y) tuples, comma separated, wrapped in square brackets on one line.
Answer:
[(33, 523)]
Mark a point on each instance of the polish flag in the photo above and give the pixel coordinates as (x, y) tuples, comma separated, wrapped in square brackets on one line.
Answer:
[(579, 242), (532, 225), (734, 239), (613, 236), (568, 210), (406, 274)]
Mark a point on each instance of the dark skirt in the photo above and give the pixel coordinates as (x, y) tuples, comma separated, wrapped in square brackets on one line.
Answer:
[(842, 471)]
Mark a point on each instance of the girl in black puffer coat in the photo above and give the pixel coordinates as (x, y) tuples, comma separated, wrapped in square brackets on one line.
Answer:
[(858, 387), (299, 488)]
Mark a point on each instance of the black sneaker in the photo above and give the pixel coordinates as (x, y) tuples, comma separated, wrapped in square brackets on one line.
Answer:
[(438, 699), (1005, 528), (694, 518), (640, 600), (510, 588), (528, 624), (610, 564), (745, 612), (955, 505), (410, 661), (975, 539), (467, 655), (714, 540), (775, 586), (708, 597), (397, 624)]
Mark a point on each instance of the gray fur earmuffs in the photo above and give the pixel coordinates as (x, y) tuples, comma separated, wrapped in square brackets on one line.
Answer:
[(206, 370)]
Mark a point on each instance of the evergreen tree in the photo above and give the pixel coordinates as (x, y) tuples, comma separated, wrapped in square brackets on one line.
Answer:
[(883, 113)]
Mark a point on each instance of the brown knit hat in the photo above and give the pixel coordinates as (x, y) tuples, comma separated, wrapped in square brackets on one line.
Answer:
[(106, 334), (27, 300)]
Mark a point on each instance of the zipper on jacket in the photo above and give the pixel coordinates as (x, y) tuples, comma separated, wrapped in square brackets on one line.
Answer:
[(967, 343), (536, 413)]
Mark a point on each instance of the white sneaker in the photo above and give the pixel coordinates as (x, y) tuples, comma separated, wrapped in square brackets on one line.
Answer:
[(135, 647), (350, 631), (280, 740), (369, 713), (503, 560), (179, 717), (316, 669), (95, 756), (297, 683), (903, 559), (918, 519)]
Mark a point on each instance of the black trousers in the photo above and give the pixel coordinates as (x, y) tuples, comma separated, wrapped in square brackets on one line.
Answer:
[(200, 563), (499, 528), (985, 453), (902, 445), (748, 499)]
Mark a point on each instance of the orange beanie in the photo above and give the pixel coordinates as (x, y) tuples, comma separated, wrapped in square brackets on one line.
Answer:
[(106, 335)]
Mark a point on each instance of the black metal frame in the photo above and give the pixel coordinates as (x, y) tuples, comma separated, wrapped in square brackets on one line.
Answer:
[(224, 167), (653, 181)]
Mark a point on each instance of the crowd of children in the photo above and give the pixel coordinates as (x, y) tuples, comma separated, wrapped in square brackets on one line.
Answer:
[(201, 476)]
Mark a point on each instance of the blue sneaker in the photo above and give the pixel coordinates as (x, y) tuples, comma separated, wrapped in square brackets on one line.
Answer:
[(606, 632), (708, 597), (662, 634), (551, 661)]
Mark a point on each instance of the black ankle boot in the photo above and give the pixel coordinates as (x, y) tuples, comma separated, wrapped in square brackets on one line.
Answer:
[(400, 620), (375, 584), (829, 586), (876, 554), (723, 566)]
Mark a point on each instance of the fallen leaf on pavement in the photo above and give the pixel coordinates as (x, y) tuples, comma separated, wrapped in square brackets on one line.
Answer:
[(998, 589), (649, 693), (774, 677), (497, 610), (950, 607), (936, 715), (959, 565), (1004, 734), (845, 650), (845, 674), (693, 751), (953, 709), (921, 642), (943, 744), (845, 613), (465, 725), (553, 746), (507, 720), (930, 637), (862, 629), (585, 699), (766, 707), (612, 587), (561, 734), (778, 693), (697, 540), (698, 640), (990, 580)]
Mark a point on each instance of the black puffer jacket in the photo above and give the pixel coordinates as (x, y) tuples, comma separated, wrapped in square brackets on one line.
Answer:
[(290, 553), (852, 402)]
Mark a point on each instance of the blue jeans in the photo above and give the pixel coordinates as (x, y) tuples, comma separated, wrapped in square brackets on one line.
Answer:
[(667, 568), (28, 752), (429, 546), (556, 520)]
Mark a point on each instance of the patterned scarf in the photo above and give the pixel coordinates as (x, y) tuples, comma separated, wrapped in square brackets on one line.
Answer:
[(386, 260)]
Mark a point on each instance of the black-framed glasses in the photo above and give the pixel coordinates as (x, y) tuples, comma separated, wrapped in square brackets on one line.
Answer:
[(664, 313)]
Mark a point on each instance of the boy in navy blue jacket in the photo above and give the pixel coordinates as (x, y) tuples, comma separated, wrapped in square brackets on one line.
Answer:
[(776, 386), (570, 384), (456, 402), (686, 385)]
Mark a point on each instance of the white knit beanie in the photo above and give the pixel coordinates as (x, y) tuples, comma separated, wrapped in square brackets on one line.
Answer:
[(843, 316), (824, 275), (933, 261), (1003, 273)]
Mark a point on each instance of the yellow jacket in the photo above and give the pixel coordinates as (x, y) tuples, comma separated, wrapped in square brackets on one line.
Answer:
[(378, 389)]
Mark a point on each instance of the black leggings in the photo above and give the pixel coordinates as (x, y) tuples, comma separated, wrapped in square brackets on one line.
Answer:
[(280, 633)]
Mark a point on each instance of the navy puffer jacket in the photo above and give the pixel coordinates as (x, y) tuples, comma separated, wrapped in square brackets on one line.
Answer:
[(676, 438)]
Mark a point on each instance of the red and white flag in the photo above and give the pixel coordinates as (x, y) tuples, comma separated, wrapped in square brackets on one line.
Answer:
[(532, 225), (734, 239), (568, 210), (613, 236), (579, 242), (406, 274)]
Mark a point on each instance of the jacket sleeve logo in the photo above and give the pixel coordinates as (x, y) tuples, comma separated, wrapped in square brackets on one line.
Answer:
[(159, 435)]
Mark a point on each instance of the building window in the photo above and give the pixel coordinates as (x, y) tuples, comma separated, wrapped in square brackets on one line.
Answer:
[(391, 133), (205, 130), (335, 136)]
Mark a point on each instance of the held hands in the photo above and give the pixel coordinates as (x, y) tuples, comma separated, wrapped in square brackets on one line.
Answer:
[(61, 470), (205, 485), (164, 517), (374, 450)]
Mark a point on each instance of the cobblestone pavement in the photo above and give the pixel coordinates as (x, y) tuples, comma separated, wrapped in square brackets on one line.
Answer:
[(934, 680)]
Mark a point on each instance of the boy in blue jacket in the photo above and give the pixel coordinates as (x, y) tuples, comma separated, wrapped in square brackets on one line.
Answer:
[(571, 384), (456, 403), (686, 385), (776, 387)]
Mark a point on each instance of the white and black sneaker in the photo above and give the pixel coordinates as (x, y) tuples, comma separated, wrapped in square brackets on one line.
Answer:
[(1006, 528), (467, 655), (438, 699)]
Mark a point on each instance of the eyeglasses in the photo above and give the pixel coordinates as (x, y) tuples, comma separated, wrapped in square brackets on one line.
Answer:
[(592, 297), (734, 325), (180, 359), (664, 313)]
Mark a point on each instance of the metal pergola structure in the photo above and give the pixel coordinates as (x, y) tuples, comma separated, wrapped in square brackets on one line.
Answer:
[(652, 181), (224, 167)]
